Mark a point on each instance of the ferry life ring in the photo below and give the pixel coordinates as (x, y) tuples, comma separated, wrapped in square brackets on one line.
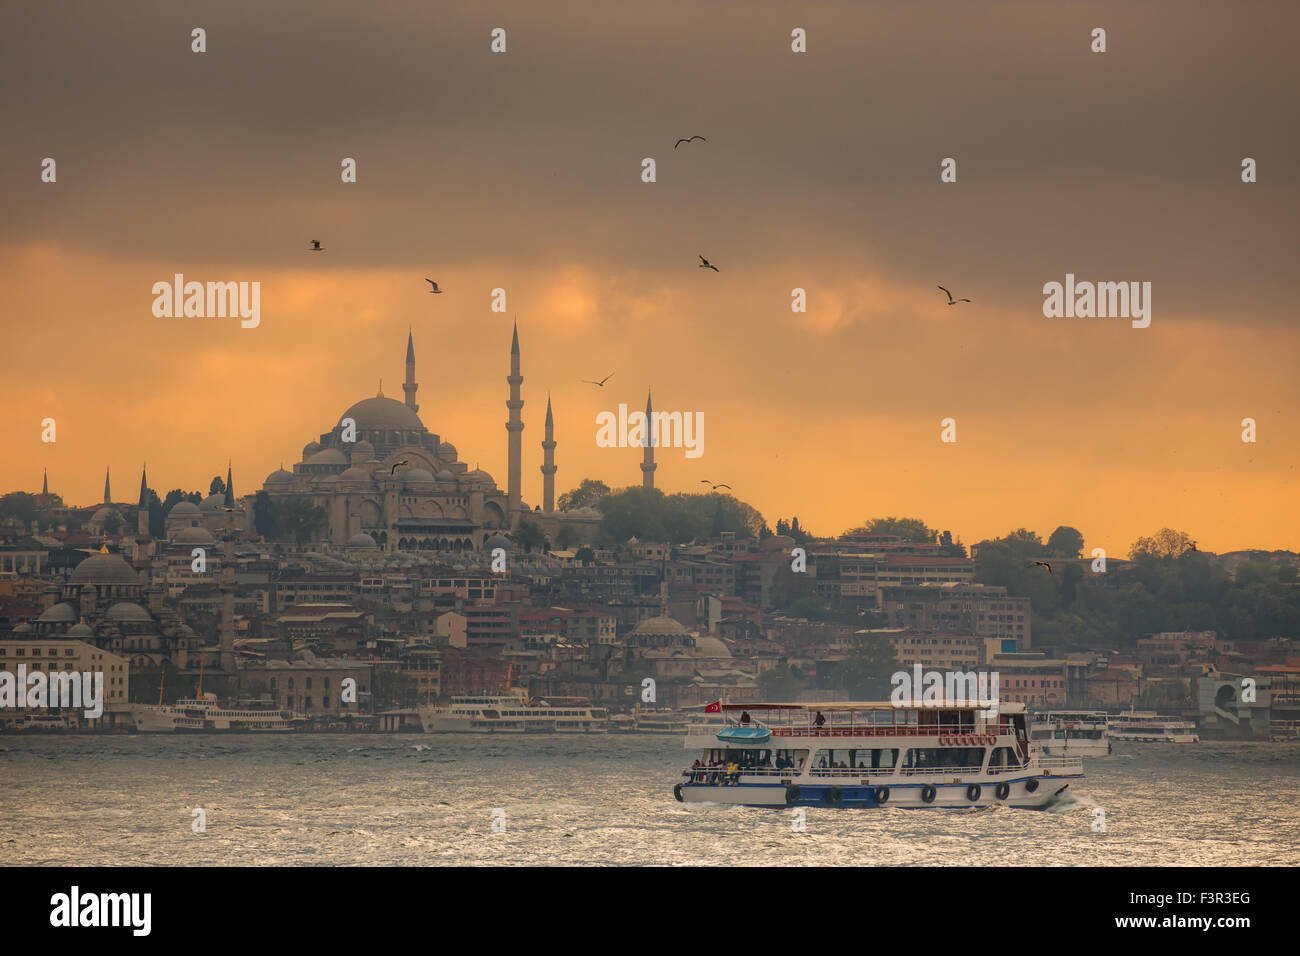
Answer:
[(882, 795), (928, 794), (1031, 786), (677, 792), (791, 794), (834, 795), (973, 792), (1003, 791)]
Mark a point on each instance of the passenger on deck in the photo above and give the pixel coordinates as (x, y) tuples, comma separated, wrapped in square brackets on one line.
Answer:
[(821, 719), (744, 716)]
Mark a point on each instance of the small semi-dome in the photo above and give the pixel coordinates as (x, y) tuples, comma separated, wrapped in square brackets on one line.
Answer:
[(23, 628), (445, 475), (81, 632), (103, 514), (478, 474), (498, 541), (327, 456), (279, 477), (362, 451), (711, 647), (355, 474), (193, 536), (447, 452), (310, 449), (213, 502), (104, 569), (185, 509), (125, 612), (362, 540), (416, 474), (58, 614)]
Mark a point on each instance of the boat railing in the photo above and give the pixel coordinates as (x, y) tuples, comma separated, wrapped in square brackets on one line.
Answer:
[(1060, 764), (939, 771), (889, 730)]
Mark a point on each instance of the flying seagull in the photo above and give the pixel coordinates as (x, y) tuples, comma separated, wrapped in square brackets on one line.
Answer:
[(229, 509), (688, 139), (399, 464), (705, 481), (435, 290), (601, 383), (315, 246), (951, 300), (706, 264), (1043, 564)]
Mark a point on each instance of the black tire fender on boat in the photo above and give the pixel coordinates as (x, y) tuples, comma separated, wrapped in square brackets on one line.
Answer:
[(791, 794), (834, 795), (882, 795), (973, 792), (928, 794), (1031, 786), (677, 792), (1003, 791)]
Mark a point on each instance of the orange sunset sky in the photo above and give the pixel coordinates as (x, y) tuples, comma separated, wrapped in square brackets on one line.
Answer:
[(821, 170)]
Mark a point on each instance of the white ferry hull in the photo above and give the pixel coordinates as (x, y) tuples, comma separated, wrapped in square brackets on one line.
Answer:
[(433, 722), (1074, 748), (907, 795), (151, 719)]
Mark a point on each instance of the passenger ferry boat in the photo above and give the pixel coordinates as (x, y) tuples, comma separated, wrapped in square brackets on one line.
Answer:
[(1073, 733), (872, 755), (515, 715), (203, 714), (1146, 726)]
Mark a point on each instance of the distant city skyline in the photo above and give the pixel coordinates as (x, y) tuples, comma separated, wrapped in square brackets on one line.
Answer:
[(819, 171)]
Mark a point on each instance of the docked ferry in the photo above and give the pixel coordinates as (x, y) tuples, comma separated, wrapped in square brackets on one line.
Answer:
[(1074, 733), (515, 715), (1146, 726), (203, 714), (872, 755)]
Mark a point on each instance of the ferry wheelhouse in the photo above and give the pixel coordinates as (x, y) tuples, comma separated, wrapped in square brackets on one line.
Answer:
[(204, 715), (515, 715), (1146, 726), (1074, 733), (872, 755)]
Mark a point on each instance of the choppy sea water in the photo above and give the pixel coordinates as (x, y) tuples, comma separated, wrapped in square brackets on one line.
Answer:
[(412, 799)]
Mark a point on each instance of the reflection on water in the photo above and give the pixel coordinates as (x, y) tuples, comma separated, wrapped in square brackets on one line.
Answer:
[(428, 800)]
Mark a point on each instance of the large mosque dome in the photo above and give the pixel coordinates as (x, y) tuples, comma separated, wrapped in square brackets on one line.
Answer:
[(103, 569), (381, 412)]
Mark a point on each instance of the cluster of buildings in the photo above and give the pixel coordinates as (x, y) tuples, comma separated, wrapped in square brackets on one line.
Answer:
[(393, 586)]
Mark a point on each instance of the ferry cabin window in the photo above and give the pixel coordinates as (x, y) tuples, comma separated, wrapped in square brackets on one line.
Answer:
[(935, 758), (1003, 757), (880, 758)]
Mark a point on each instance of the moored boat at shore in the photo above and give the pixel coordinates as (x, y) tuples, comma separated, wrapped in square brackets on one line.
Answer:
[(513, 714), (1073, 733), (204, 715), (872, 755)]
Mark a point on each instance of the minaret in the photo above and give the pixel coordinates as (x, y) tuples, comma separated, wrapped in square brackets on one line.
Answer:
[(648, 465), (142, 509), (515, 427), (410, 386), (230, 487), (45, 481), (227, 640), (108, 500), (548, 459)]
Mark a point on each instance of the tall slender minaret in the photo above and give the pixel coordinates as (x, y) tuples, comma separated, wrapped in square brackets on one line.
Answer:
[(515, 427), (230, 487), (142, 509), (108, 499), (410, 386), (548, 462), (45, 481), (648, 465)]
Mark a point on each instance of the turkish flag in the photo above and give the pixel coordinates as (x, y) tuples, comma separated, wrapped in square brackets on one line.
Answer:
[(714, 708)]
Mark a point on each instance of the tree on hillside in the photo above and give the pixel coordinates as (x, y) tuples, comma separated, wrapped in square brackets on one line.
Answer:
[(529, 535), (1066, 542), (909, 529), (216, 486), (585, 495), (1165, 543), (20, 506), (781, 683)]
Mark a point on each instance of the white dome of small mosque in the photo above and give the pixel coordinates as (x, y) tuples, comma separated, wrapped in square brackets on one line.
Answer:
[(185, 509), (711, 647), (447, 452), (362, 451), (661, 626), (23, 628), (102, 514), (478, 474), (362, 540), (310, 449), (58, 614), (193, 536), (103, 568)]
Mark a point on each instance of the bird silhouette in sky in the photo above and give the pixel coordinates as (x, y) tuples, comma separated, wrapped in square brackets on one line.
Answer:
[(705, 481), (315, 246), (688, 139), (951, 300), (399, 464), (706, 264), (1043, 564), (601, 383), (435, 290)]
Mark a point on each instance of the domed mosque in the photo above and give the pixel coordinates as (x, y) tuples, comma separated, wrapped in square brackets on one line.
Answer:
[(380, 474)]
